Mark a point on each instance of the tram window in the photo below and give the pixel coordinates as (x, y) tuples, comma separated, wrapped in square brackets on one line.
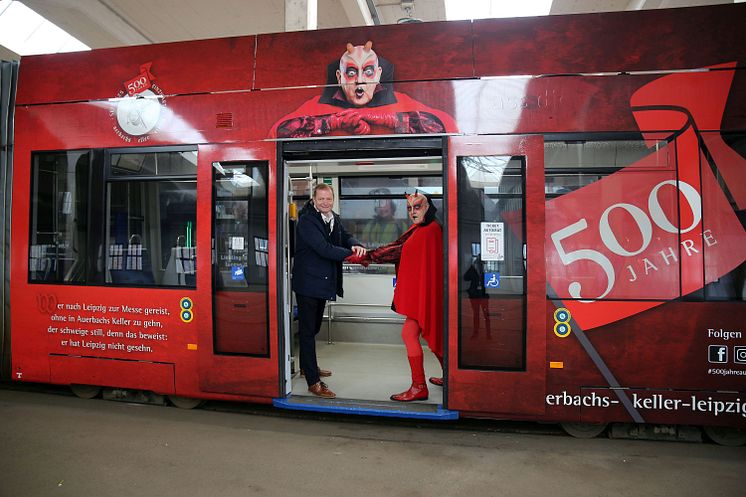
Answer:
[(375, 222), (375, 209), (382, 186), (59, 204), (177, 163), (492, 285), (719, 229), (151, 218), (574, 191), (151, 233), (573, 164), (589, 154), (241, 231)]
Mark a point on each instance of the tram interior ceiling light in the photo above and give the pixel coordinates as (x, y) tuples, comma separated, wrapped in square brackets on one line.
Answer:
[(408, 7)]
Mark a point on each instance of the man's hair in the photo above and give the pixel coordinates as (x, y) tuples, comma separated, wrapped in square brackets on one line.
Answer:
[(322, 186)]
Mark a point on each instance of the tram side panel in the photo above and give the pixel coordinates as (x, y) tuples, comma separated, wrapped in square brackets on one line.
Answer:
[(118, 327), (646, 269), (141, 316)]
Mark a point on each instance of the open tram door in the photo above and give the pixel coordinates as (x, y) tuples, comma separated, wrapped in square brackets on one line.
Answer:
[(496, 278), (360, 337), (238, 354)]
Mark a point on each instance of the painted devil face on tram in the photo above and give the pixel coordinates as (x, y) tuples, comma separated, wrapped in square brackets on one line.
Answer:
[(359, 73), (417, 206)]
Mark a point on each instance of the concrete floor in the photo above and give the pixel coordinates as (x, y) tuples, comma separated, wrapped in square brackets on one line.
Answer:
[(52, 444)]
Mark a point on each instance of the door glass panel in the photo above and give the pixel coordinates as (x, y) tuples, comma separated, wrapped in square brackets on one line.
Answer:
[(241, 266), (492, 289)]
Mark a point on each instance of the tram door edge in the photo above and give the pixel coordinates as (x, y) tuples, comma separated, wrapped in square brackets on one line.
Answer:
[(290, 210), (496, 277), (239, 354)]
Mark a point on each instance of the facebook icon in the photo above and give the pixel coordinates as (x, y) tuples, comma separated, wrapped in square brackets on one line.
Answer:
[(718, 353)]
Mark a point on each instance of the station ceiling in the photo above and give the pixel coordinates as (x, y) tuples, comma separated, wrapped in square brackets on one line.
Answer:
[(111, 23)]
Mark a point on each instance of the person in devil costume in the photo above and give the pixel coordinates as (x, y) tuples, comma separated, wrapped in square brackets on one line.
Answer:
[(418, 255), (360, 100)]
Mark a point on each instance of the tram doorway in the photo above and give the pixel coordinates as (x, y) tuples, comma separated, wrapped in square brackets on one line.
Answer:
[(360, 338)]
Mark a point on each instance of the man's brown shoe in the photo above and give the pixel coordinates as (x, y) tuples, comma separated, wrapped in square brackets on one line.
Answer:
[(323, 373), (321, 390)]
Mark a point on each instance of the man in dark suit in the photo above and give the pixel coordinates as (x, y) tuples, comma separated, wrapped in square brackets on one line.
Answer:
[(321, 244)]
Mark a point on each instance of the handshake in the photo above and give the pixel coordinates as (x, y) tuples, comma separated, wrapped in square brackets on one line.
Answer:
[(355, 121), (363, 259)]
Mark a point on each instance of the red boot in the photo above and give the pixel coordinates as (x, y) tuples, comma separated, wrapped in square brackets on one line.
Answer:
[(415, 392), (435, 380)]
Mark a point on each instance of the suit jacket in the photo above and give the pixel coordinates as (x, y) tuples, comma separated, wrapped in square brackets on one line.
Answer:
[(317, 268)]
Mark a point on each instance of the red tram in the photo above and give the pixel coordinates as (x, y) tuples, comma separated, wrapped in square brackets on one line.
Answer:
[(590, 174)]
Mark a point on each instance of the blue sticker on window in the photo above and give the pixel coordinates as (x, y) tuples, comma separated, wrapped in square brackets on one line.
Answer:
[(492, 280), (237, 272)]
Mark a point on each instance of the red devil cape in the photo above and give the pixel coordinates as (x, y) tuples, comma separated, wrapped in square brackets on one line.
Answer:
[(419, 283)]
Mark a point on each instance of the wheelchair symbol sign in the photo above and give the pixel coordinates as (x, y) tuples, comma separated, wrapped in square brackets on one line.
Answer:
[(492, 280)]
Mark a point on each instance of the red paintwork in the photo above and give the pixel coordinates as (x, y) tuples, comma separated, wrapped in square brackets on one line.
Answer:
[(611, 42), (501, 393), (63, 104), (179, 68), (416, 50), (241, 323)]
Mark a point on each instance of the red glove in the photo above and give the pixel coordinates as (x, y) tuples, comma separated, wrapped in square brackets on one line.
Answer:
[(364, 260), (350, 120), (387, 119)]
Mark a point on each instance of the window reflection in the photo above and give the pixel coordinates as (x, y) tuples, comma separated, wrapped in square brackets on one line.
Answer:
[(732, 285), (59, 206), (151, 233), (573, 164), (491, 262), (241, 228), (241, 232), (177, 163)]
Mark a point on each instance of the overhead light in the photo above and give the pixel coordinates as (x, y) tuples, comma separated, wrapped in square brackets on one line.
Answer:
[(408, 7)]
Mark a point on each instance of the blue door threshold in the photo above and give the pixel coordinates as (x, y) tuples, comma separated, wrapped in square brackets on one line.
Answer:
[(366, 408)]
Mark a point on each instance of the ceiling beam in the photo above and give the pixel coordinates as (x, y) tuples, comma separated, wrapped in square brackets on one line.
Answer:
[(357, 12), (93, 22)]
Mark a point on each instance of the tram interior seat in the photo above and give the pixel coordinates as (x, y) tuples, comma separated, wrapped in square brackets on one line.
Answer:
[(181, 267), (130, 264)]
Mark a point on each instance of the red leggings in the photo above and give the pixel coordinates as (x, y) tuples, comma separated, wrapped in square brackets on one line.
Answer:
[(410, 333)]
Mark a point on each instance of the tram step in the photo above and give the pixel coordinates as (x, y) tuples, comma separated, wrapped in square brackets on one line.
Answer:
[(366, 408)]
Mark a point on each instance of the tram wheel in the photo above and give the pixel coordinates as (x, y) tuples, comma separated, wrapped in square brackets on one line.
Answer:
[(85, 391), (583, 430), (185, 402), (730, 437)]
